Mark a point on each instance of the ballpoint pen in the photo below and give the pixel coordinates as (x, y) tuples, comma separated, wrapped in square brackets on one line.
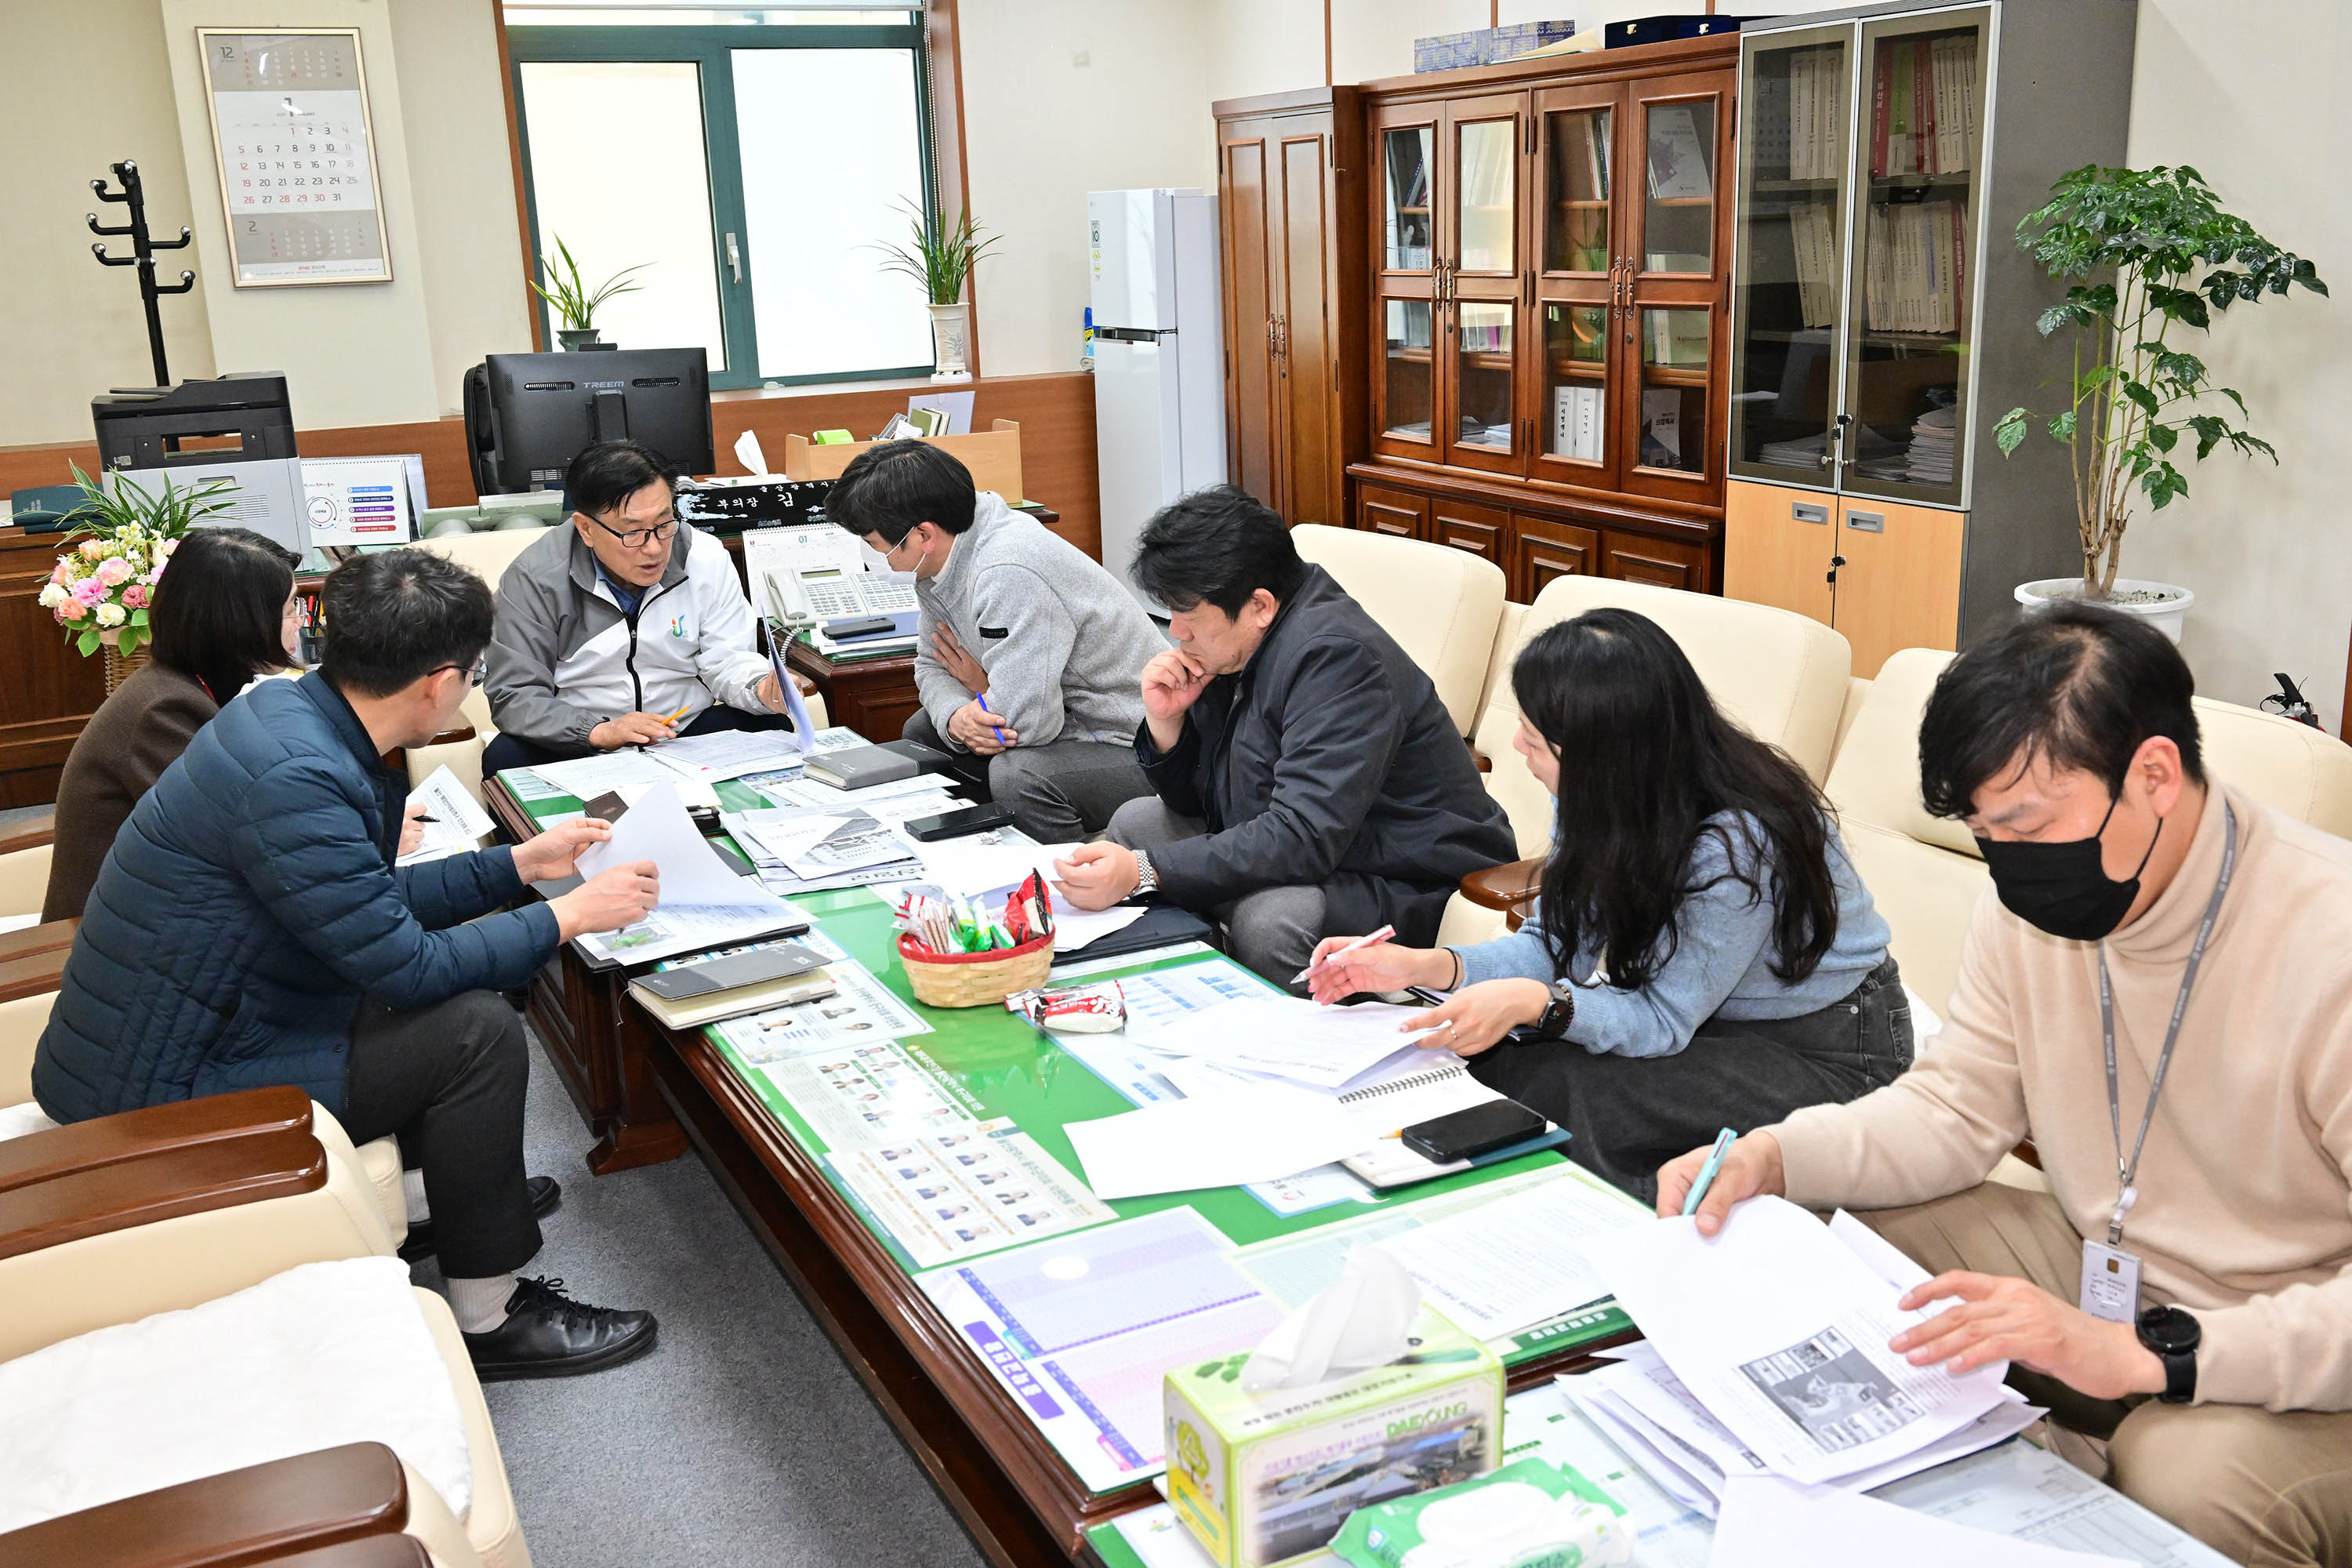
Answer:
[(1706, 1172), (985, 708), (1380, 935)]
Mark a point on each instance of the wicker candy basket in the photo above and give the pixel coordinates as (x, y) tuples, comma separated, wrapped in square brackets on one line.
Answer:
[(974, 979)]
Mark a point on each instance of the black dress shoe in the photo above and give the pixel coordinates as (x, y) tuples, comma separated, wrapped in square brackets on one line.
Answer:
[(548, 1335), (544, 1197)]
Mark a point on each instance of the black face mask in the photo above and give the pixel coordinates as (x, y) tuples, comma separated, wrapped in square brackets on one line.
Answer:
[(2063, 888)]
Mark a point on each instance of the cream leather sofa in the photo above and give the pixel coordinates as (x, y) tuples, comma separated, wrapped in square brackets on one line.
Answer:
[(375, 1165), (1783, 675), (1924, 872), (225, 1217), (1441, 605)]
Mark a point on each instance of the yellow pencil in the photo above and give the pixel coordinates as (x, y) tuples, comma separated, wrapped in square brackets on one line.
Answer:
[(682, 709)]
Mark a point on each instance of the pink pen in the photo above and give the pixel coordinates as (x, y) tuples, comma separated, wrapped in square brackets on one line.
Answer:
[(1380, 935)]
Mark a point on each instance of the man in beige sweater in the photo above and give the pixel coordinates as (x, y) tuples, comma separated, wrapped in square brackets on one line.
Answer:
[(2221, 1385)]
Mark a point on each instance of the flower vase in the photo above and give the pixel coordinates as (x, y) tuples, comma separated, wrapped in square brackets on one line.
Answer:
[(950, 328), (119, 665)]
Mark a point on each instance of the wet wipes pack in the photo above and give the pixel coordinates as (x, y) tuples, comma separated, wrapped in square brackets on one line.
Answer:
[(1530, 1514)]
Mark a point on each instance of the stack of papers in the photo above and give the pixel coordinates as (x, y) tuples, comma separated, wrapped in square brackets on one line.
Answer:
[(703, 904), (1287, 1037), (1931, 448), (631, 770), (1771, 1357)]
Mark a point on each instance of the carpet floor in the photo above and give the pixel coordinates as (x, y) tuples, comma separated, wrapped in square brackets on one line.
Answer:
[(742, 1439)]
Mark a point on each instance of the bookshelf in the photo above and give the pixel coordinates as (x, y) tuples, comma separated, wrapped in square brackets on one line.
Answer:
[(1547, 266), (1882, 317)]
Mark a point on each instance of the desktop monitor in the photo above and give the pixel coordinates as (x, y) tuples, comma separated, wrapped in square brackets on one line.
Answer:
[(528, 416)]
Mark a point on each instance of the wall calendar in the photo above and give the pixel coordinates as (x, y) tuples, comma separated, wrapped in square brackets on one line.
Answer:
[(296, 154)]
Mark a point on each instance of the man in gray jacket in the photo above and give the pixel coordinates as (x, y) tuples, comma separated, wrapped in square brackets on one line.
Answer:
[(625, 629), (1029, 653)]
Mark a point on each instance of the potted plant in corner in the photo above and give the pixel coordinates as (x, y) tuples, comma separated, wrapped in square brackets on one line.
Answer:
[(574, 301), (941, 260), (99, 590), (2131, 244)]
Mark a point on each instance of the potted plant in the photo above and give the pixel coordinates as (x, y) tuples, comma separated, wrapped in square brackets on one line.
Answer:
[(99, 590), (941, 260), (2144, 251), (574, 301)]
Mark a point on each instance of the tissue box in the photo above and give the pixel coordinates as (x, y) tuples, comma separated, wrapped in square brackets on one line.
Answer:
[(1261, 1479)]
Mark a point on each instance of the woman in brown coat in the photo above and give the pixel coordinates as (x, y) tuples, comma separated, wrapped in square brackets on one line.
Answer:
[(222, 613)]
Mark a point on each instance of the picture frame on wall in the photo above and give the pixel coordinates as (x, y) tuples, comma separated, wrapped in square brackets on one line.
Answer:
[(296, 153)]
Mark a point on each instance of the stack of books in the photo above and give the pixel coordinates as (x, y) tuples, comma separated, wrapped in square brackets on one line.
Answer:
[(1923, 105), (1916, 271), (1817, 113)]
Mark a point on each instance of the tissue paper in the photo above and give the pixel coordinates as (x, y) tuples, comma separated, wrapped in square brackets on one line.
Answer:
[(1362, 1320)]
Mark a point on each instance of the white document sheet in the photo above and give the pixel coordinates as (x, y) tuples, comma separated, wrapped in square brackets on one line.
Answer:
[(1782, 1332), (626, 770), (1285, 1036), (1774, 1523), (656, 828), (1178, 1146), (791, 794), (726, 753), (1497, 1269), (459, 822), (1074, 929), (987, 862)]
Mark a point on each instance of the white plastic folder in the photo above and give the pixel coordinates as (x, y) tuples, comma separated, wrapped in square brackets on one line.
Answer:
[(1781, 1330)]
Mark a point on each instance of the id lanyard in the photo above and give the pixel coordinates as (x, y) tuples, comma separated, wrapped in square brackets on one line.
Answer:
[(2126, 1193)]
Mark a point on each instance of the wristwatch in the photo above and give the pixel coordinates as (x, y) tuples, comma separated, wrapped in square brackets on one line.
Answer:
[(2174, 1335), (1147, 880), (1553, 1023)]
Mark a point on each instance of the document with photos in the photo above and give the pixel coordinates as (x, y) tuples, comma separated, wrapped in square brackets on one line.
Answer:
[(1781, 1330), (867, 1095), (961, 1194), (675, 929)]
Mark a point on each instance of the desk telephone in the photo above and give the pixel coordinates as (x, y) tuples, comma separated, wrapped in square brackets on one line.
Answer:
[(821, 574)]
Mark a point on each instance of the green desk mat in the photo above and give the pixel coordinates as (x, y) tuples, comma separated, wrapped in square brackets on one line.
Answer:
[(1000, 1067)]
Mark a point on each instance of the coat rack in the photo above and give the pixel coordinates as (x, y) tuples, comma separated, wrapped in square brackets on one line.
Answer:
[(142, 255)]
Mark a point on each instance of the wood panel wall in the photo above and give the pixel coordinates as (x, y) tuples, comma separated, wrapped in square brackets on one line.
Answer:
[(52, 690), (1056, 414)]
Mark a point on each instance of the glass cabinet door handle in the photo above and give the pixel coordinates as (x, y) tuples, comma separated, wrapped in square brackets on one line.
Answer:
[(734, 258)]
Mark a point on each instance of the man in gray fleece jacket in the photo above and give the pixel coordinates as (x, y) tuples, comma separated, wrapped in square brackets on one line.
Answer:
[(1029, 654)]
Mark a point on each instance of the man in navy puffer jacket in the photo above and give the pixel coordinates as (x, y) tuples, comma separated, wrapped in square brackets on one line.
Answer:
[(248, 927)]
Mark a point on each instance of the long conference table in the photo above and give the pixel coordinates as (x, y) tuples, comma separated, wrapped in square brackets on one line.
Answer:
[(647, 1092)]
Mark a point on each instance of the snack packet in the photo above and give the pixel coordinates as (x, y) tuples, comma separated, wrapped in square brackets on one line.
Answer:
[(1072, 1009)]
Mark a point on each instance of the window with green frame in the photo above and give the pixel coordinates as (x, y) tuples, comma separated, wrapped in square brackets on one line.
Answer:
[(747, 163)]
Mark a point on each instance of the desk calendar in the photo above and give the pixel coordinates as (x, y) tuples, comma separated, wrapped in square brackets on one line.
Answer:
[(296, 154)]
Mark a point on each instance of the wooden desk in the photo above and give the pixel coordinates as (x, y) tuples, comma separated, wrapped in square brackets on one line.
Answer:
[(595, 1039)]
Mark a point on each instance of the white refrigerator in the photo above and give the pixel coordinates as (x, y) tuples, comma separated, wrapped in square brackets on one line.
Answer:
[(1160, 382)]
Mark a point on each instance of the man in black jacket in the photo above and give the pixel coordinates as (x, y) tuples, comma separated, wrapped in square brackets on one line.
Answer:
[(1308, 778)]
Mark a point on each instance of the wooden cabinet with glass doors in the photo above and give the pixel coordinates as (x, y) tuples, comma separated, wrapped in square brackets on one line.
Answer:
[(1883, 314), (1549, 276)]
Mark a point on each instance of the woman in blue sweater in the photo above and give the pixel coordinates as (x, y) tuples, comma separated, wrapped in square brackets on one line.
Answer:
[(1702, 956)]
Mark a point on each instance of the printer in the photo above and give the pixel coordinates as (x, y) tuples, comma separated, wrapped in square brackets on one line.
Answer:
[(237, 427)]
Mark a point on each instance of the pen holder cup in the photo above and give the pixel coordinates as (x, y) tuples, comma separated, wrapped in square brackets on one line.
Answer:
[(974, 979)]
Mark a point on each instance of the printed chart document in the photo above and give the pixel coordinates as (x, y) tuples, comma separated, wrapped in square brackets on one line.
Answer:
[(1502, 1265), (1164, 997), (1769, 1523), (961, 1194), (1082, 1328), (460, 819), (1781, 1330), (824, 846)]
